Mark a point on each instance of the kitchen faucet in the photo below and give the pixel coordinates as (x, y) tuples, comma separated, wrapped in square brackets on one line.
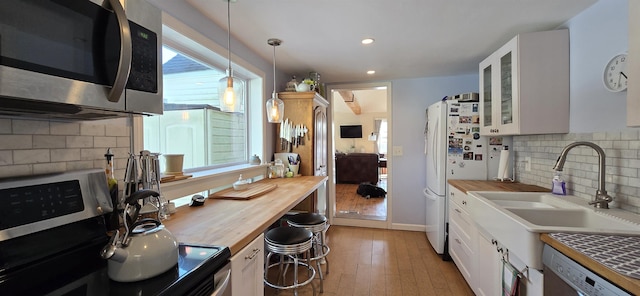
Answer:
[(602, 199)]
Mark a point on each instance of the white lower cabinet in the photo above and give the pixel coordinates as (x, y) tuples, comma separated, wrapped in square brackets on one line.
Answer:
[(478, 255), (462, 232), (489, 266), (247, 269)]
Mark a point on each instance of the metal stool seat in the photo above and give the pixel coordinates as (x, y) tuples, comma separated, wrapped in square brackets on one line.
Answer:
[(317, 224), (289, 242)]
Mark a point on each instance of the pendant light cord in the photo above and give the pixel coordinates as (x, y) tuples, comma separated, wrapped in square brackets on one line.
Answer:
[(229, 35), (274, 70)]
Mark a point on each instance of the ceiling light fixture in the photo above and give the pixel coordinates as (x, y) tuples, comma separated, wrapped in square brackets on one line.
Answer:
[(275, 106), (371, 72), (229, 93), (367, 41)]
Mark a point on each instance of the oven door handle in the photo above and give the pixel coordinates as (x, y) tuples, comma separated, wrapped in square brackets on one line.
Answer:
[(124, 64), (223, 285)]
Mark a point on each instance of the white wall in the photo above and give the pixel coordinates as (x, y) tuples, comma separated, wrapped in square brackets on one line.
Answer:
[(367, 120), (596, 35), (410, 99)]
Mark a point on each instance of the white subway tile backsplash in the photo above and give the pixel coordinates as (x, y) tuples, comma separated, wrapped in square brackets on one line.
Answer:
[(87, 129), (5, 126), (105, 142), (48, 141), (30, 127), (46, 168), (83, 165), (10, 142), (15, 170), (62, 155), (79, 141), (622, 180), (31, 156), (65, 128), (38, 146), (6, 157)]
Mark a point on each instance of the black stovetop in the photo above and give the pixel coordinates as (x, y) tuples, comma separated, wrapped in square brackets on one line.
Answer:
[(86, 274)]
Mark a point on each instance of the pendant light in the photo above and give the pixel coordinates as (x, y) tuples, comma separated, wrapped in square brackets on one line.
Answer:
[(275, 106), (228, 91)]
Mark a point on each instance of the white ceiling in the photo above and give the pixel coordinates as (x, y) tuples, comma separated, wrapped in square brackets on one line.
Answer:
[(414, 38)]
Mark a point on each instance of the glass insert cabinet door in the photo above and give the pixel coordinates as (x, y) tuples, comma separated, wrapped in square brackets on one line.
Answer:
[(499, 91)]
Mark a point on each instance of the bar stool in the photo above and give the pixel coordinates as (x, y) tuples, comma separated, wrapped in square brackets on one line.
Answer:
[(289, 242), (317, 224)]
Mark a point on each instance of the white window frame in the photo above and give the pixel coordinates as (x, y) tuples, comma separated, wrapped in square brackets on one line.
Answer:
[(201, 47)]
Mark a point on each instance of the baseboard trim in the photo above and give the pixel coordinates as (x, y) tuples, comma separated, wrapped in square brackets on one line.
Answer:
[(408, 227)]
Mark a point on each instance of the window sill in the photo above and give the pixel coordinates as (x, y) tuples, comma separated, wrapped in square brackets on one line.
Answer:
[(213, 178)]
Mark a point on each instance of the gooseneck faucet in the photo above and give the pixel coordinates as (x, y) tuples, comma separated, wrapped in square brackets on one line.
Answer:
[(602, 199)]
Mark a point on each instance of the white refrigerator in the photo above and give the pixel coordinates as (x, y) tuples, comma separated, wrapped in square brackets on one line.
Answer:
[(454, 149)]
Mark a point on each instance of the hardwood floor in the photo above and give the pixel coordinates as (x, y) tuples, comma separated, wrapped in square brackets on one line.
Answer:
[(349, 203), (366, 261)]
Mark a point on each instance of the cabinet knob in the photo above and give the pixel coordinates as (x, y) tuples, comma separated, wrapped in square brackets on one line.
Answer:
[(464, 202), (451, 193), (458, 210), (458, 241)]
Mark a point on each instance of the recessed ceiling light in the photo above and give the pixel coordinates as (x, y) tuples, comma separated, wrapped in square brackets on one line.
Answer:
[(371, 72), (367, 41)]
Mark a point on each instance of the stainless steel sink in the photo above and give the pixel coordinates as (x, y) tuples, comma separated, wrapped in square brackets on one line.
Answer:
[(516, 219)]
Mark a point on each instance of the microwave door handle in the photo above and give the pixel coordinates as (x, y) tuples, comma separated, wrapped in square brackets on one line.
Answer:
[(124, 65)]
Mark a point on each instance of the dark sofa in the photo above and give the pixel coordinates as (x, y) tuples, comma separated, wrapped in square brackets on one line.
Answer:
[(356, 168)]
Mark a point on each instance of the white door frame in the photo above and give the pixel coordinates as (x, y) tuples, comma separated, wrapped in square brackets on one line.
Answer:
[(330, 88)]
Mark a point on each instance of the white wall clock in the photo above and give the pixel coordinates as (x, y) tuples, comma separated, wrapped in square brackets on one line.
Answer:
[(615, 73)]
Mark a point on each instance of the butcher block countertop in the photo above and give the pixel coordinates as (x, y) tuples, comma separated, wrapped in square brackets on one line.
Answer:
[(627, 283), (235, 223), (477, 185)]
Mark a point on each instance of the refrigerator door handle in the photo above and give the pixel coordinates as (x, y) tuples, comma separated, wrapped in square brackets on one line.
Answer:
[(429, 196)]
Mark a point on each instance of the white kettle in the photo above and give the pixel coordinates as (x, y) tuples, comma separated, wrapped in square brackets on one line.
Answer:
[(147, 248)]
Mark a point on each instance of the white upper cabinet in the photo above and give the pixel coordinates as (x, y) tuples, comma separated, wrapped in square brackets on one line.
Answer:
[(524, 86), (633, 80)]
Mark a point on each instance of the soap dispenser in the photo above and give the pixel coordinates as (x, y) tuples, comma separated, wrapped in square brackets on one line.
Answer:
[(558, 185)]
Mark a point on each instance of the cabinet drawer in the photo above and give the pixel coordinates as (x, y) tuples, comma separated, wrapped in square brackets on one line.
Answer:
[(459, 197), (464, 229), (461, 254)]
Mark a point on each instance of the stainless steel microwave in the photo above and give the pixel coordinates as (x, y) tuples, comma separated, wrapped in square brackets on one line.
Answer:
[(80, 59)]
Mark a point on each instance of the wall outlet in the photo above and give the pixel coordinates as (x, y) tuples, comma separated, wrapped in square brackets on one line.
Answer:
[(397, 150), (527, 163)]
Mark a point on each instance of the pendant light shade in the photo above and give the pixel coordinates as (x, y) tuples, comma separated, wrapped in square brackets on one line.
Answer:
[(228, 92), (275, 106)]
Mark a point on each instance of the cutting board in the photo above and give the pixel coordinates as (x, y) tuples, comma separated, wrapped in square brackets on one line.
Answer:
[(255, 189), (172, 178)]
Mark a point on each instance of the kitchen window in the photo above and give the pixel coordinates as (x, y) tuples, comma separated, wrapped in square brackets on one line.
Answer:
[(216, 145), (192, 123)]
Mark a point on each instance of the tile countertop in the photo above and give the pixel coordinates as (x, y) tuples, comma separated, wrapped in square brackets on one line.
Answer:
[(630, 284)]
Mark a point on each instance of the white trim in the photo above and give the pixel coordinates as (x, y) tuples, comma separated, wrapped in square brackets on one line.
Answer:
[(331, 188), (359, 223), (408, 227), (209, 179)]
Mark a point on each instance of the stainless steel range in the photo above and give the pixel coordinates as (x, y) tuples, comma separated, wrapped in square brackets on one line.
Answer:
[(52, 229)]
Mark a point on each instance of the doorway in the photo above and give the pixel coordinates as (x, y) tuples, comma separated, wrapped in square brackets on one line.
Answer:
[(359, 136)]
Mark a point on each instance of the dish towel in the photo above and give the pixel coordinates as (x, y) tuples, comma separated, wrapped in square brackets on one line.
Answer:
[(510, 279)]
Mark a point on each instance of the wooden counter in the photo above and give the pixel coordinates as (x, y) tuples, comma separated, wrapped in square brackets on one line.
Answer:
[(235, 223), (628, 283), (478, 185)]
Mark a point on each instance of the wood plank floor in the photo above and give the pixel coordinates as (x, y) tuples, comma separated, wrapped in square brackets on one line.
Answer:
[(366, 261), (348, 202)]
